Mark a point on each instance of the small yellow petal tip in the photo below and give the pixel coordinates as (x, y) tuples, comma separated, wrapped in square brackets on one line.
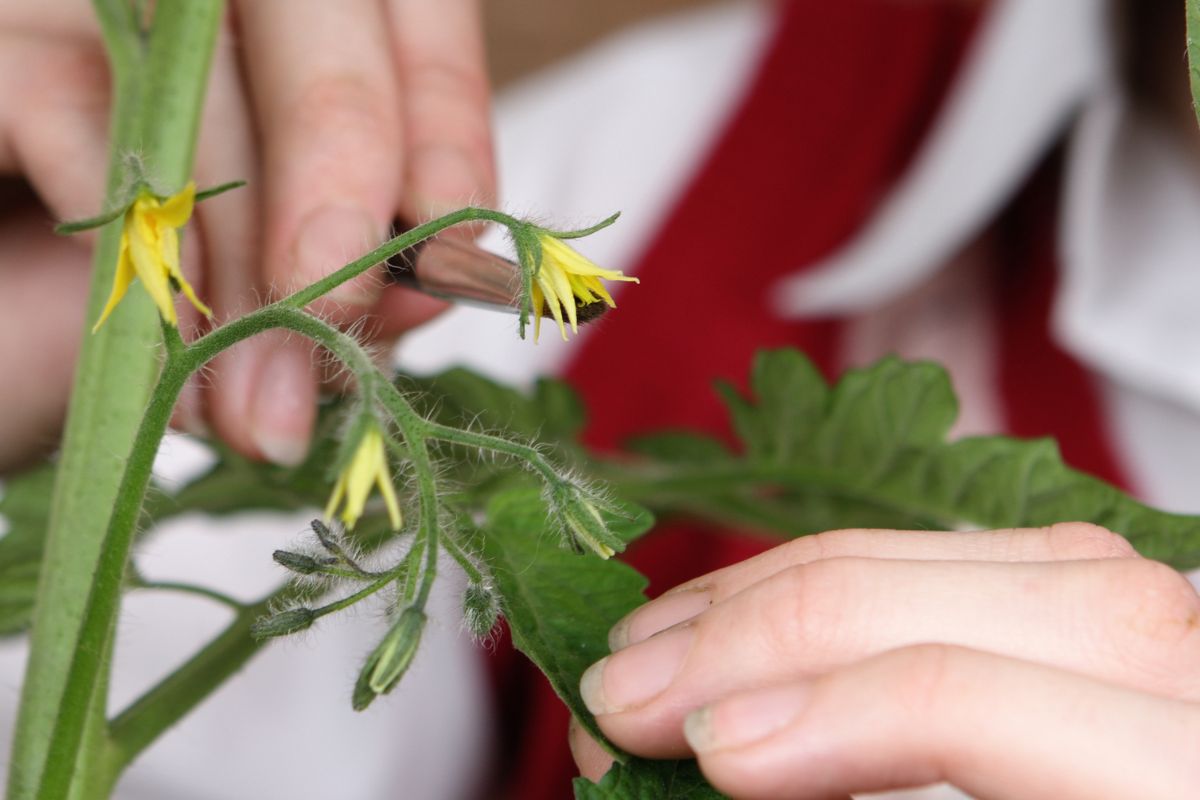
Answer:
[(565, 281), (150, 253)]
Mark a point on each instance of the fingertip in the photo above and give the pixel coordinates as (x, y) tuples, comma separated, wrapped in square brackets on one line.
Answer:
[(330, 237), (283, 408), (444, 178), (591, 759), (401, 309), (229, 394)]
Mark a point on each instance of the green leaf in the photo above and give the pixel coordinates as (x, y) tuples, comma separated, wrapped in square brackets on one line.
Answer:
[(680, 447), (559, 606), (640, 779), (873, 452), (791, 399), (25, 508)]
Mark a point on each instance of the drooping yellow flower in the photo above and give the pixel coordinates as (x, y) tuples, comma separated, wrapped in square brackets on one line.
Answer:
[(566, 280), (367, 466), (150, 252)]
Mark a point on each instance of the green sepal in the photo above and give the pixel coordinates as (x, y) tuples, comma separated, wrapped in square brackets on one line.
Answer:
[(582, 232), (221, 188), (99, 221)]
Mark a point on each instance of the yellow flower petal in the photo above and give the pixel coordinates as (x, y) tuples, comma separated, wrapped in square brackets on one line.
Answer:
[(145, 252), (550, 298), (169, 246), (565, 279), (150, 250), (367, 468), (124, 276), (176, 210)]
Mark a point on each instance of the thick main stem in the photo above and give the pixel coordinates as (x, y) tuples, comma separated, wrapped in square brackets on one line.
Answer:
[(100, 612), (113, 379), (1193, 51)]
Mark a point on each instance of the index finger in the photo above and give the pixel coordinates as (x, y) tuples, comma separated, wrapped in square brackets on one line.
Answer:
[(1068, 541)]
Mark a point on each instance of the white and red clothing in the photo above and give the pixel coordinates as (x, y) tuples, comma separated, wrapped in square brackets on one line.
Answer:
[(851, 178)]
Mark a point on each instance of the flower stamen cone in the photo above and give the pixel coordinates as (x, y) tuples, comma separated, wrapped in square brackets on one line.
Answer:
[(149, 251), (367, 467), (565, 280)]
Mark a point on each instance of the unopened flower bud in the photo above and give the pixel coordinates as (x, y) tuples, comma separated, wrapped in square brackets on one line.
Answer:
[(391, 659), (297, 562), (586, 528), (481, 609), (283, 623)]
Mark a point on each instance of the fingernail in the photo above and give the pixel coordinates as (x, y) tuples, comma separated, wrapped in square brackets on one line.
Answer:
[(283, 404), (636, 675), (658, 615), (330, 237), (744, 719), (443, 180)]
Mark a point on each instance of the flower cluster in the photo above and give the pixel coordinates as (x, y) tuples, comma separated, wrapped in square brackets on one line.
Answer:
[(564, 281)]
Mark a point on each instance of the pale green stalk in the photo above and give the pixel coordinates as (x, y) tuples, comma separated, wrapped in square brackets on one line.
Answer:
[(116, 370), (1193, 51)]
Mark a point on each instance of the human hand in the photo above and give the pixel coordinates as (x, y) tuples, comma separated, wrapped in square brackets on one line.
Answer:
[(342, 116), (1034, 663)]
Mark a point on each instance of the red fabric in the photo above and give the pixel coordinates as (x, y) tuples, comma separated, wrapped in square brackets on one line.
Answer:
[(843, 95), (1045, 392)]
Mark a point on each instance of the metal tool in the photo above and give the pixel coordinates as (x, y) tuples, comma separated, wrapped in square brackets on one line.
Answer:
[(456, 269)]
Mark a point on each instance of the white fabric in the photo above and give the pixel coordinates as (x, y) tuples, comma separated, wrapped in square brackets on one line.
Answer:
[(1127, 302), (1032, 65)]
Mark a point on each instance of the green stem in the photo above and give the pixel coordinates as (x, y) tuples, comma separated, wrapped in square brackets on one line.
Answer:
[(1193, 51), (194, 680), (464, 560), (190, 588), (113, 378), (416, 429), (687, 490), (304, 296), (361, 594), (530, 455), (175, 696), (103, 600), (141, 723)]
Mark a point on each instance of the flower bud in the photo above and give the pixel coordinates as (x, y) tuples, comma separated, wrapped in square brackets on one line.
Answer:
[(391, 659), (585, 526), (283, 623), (481, 609), (297, 562)]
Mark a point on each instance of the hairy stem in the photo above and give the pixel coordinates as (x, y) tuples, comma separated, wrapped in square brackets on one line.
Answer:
[(113, 378), (103, 600), (483, 441), (135, 728), (1193, 52)]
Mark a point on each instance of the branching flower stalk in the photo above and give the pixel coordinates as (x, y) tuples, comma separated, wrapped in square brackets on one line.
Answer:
[(126, 390), (582, 522)]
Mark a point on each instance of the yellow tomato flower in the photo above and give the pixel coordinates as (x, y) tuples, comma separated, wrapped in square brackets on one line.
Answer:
[(150, 251), (566, 280), (368, 465)]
